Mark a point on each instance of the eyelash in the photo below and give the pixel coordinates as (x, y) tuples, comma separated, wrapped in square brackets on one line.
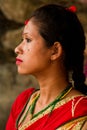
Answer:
[(28, 40)]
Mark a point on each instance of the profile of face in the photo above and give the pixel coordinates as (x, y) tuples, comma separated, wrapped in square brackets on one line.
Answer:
[(32, 54)]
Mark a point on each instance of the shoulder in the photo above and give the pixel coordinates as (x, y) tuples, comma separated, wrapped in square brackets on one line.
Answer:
[(21, 100), (23, 96), (79, 106), (80, 100), (17, 107)]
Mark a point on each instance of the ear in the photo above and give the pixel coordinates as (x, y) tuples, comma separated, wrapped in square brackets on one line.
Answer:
[(57, 51)]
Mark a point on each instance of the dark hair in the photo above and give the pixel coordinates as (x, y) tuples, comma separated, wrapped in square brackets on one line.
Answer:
[(56, 23)]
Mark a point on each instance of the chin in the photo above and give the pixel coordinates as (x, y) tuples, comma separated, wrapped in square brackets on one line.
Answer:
[(21, 72)]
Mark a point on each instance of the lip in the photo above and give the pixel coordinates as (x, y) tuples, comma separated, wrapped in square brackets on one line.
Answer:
[(18, 61)]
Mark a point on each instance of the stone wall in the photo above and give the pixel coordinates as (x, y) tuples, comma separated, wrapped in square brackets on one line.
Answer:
[(13, 13)]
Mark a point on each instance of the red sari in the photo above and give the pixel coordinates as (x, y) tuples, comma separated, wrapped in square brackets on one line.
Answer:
[(68, 114)]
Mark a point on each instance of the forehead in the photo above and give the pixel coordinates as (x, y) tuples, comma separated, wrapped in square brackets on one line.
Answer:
[(30, 28)]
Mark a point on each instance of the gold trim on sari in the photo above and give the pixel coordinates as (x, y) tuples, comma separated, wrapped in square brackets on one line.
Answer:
[(28, 121), (74, 124)]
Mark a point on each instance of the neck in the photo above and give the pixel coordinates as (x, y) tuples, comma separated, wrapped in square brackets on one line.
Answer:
[(52, 81), (51, 85)]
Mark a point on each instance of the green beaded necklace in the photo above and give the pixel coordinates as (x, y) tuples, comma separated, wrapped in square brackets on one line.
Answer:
[(59, 97)]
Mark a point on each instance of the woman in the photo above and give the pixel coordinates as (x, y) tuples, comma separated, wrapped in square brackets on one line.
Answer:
[(52, 50)]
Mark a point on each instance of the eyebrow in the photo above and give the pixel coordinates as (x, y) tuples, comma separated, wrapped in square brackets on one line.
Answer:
[(24, 34)]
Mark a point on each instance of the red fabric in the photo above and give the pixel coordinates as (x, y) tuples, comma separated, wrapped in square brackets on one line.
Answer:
[(17, 108), (60, 116), (57, 118)]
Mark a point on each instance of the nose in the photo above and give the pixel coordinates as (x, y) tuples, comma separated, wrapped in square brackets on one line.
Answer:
[(18, 49)]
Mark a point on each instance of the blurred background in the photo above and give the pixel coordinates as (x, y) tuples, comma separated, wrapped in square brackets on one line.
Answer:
[(13, 13)]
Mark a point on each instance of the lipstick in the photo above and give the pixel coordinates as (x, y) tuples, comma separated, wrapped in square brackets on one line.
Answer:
[(18, 61)]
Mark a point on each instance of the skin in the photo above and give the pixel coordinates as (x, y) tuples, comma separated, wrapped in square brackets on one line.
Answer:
[(42, 62), (46, 64), (85, 126)]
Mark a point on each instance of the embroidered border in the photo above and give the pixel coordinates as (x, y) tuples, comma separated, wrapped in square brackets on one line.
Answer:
[(40, 115)]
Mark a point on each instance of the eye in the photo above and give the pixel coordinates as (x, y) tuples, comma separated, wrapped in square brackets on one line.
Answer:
[(28, 40)]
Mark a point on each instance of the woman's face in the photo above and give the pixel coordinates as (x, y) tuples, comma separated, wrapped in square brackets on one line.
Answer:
[(32, 54)]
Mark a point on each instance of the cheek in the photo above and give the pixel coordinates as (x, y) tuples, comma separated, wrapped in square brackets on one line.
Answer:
[(34, 60), (34, 64)]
